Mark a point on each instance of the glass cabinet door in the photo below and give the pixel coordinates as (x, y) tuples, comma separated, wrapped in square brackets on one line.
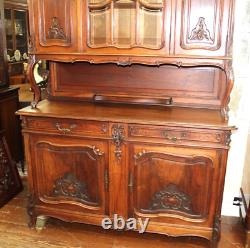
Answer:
[(8, 29), (20, 30), (126, 23)]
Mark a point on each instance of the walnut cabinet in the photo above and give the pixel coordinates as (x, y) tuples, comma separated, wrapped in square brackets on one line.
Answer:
[(86, 167), (136, 118)]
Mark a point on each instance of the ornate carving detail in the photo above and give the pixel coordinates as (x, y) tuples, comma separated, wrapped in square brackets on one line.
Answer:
[(104, 128), (171, 198), (216, 229), (230, 84), (31, 43), (132, 131), (24, 122), (218, 137), (69, 186), (56, 31), (5, 179), (139, 155), (118, 133), (228, 138), (201, 32), (97, 151)]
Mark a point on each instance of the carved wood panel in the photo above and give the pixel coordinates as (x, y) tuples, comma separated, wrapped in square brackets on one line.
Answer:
[(72, 174), (202, 27), (56, 20), (171, 184)]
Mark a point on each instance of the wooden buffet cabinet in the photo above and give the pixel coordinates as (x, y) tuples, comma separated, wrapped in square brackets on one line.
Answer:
[(136, 120)]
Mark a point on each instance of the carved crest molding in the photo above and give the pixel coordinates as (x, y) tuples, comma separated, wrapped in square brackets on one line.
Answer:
[(201, 32), (56, 31)]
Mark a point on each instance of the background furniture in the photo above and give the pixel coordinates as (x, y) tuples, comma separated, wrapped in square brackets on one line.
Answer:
[(244, 203), (9, 103), (16, 25), (10, 182), (137, 124), (10, 123), (3, 59)]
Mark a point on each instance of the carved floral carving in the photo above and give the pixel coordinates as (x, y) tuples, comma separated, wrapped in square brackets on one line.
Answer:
[(216, 228), (118, 133), (56, 31), (69, 186), (171, 198), (228, 138), (201, 32)]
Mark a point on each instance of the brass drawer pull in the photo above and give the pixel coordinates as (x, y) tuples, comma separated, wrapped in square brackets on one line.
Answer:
[(174, 138), (65, 130)]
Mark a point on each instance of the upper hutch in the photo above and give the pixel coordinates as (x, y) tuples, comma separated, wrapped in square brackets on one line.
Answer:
[(136, 117)]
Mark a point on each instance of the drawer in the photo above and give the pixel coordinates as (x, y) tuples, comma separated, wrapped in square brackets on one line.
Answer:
[(68, 126), (176, 134)]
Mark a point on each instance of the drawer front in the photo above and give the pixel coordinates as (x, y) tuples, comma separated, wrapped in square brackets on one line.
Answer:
[(176, 135), (69, 127)]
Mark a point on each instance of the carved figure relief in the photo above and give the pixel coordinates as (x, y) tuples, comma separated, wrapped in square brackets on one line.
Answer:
[(69, 186), (171, 198), (201, 32), (56, 31), (118, 138)]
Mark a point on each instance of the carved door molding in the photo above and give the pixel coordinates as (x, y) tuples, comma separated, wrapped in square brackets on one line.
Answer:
[(55, 22), (71, 174), (201, 30), (171, 185)]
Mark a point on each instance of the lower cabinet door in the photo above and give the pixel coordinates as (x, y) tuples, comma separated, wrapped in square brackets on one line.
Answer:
[(173, 185), (70, 174)]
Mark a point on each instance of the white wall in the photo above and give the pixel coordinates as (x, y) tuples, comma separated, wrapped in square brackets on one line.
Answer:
[(240, 107)]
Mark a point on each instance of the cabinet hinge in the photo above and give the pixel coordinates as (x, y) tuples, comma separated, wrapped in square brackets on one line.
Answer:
[(131, 182), (106, 179)]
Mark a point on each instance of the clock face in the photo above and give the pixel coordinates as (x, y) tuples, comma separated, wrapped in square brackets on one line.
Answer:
[(17, 55)]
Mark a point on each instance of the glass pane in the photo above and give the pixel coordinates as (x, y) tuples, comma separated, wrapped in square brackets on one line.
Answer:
[(8, 29), (100, 23), (124, 23), (20, 30), (151, 23)]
